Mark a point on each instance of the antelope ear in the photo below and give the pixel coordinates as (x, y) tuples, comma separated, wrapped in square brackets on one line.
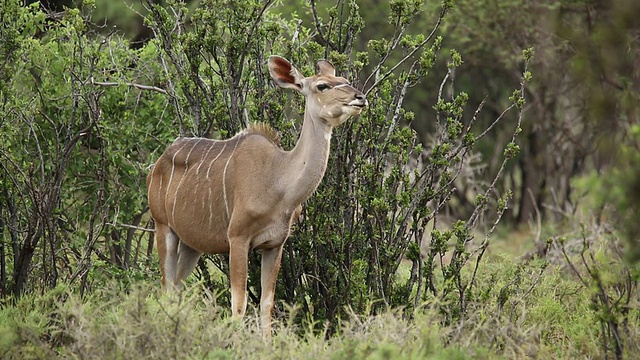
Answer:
[(284, 74), (326, 68)]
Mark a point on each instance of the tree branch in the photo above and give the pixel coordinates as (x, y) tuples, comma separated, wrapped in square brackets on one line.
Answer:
[(137, 86)]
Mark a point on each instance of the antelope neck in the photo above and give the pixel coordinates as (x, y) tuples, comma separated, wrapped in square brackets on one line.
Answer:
[(307, 162)]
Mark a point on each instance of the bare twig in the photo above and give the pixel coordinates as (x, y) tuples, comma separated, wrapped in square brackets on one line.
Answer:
[(396, 114), (294, 38), (376, 70), (137, 86), (131, 227), (495, 121), (316, 20), (410, 54), (475, 115)]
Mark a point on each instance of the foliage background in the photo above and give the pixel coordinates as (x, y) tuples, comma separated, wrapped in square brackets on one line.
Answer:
[(529, 127)]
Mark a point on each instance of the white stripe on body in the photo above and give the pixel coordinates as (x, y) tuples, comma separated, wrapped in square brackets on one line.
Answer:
[(205, 156), (173, 169), (214, 159), (210, 207), (153, 169), (224, 180), (184, 175), (211, 146), (173, 163)]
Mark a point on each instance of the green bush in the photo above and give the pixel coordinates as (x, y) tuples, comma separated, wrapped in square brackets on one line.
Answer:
[(87, 114)]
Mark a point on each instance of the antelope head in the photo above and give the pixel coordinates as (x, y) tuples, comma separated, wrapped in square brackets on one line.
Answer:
[(331, 100)]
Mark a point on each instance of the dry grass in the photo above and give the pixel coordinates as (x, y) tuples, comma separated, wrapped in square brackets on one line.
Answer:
[(518, 311), (145, 325)]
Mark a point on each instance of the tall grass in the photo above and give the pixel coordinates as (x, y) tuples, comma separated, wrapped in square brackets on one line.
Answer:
[(521, 310)]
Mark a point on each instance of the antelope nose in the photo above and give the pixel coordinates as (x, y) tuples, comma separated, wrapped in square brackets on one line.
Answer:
[(363, 100)]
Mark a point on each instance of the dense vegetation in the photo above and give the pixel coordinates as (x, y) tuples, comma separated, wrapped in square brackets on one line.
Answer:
[(491, 125)]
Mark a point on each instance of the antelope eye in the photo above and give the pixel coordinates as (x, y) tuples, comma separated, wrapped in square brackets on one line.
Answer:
[(322, 87)]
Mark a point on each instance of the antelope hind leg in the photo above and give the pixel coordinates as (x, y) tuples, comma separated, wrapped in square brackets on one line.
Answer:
[(170, 260), (187, 261), (167, 243)]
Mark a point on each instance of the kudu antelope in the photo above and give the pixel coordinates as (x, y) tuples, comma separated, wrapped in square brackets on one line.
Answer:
[(235, 195)]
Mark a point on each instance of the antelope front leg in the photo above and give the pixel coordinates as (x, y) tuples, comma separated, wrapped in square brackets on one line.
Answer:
[(268, 276), (238, 263)]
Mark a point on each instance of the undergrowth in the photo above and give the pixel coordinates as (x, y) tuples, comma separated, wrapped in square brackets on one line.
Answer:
[(534, 309)]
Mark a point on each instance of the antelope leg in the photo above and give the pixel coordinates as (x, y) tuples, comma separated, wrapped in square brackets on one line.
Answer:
[(187, 261), (269, 275)]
